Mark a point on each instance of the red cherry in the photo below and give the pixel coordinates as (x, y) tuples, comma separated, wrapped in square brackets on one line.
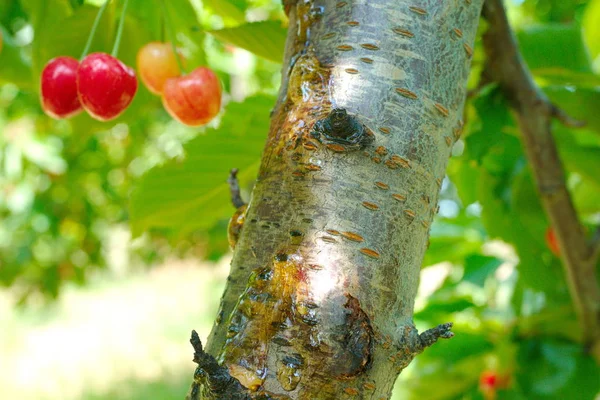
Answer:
[(488, 380), (193, 99), (58, 88), (156, 63), (552, 242), (106, 86)]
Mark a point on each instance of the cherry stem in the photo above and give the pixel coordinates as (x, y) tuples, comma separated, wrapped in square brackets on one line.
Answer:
[(171, 34), (93, 31), (115, 49)]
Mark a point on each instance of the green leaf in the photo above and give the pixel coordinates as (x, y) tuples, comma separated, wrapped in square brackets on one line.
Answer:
[(189, 31), (465, 343), (582, 103), (463, 173), (44, 16), (585, 197), (66, 36), (557, 370), (447, 370), (544, 46), (192, 194), (591, 27), (478, 267), (510, 204), (487, 138), (265, 39), (9, 10), (438, 309), (452, 239), (559, 76), (585, 160), (525, 226), (151, 16), (14, 67), (228, 9), (527, 208), (41, 11)]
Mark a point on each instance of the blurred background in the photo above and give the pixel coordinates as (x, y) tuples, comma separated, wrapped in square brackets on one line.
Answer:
[(113, 240)]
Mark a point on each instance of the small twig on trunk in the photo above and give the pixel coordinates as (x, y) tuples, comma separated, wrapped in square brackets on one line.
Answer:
[(216, 378), (564, 118), (234, 188), (534, 113), (430, 336)]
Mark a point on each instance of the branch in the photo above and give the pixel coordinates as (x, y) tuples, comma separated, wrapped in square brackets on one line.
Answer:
[(595, 245), (565, 118), (234, 189), (534, 113), (430, 336), (216, 378)]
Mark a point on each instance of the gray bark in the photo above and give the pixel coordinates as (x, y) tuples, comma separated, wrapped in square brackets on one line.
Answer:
[(320, 298)]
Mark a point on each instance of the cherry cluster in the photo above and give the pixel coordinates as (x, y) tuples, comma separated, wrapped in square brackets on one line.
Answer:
[(101, 85), (104, 86), (193, 99)]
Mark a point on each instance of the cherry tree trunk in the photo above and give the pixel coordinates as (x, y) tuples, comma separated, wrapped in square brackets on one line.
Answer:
[(319, 301)]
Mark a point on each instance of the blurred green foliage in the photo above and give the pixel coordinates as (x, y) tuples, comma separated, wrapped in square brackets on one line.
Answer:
[(64, 185)]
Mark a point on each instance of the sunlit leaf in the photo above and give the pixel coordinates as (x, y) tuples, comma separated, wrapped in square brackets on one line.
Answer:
[(581, 103), (14, 67), (228, 9), (591, 27), (192, 194), (544, 46), (265, 39)]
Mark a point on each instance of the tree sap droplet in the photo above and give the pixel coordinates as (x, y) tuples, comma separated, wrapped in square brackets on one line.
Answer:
[(289, 377), (306, 82)]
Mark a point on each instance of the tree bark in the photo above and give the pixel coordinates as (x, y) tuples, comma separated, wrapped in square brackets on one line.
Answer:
[(320, 297)]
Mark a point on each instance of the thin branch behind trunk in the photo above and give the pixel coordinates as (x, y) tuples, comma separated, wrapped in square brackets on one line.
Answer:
[(535, 112)]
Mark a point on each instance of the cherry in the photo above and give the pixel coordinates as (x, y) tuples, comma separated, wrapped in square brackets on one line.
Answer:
[(193, 99), (491, 381), (58, 88), (488, 380), (156, 62), (552, 242), (106, 86)]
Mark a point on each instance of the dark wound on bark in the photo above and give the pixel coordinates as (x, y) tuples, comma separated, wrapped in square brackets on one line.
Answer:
[(357, 342), (323, 278), (344, 129)]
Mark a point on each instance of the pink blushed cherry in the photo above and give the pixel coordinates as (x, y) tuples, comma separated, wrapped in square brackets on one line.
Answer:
[(193, 99)]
